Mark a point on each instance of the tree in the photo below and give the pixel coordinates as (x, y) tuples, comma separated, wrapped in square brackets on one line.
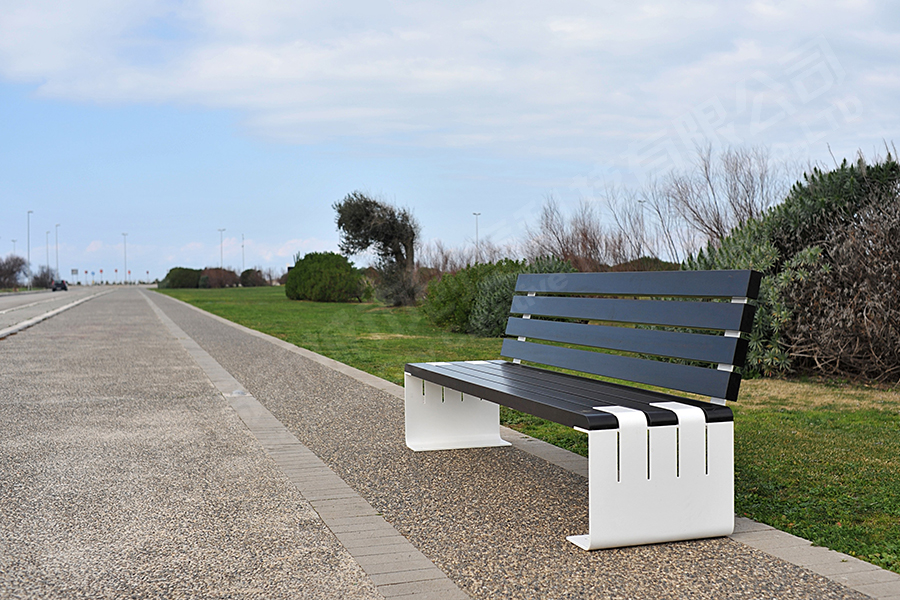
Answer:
[(391, 232), (11, 268), (44, 277)]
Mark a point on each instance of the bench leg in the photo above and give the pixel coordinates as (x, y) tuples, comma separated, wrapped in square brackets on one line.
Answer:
[(438, 418), (659, 484)]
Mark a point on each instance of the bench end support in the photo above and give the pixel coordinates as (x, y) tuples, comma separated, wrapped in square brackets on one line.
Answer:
[(659, 484), (439, 418)]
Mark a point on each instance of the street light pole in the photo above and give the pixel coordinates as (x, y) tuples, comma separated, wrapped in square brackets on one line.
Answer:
[(221, 249), (125, 251), (57, 250), (477, 248), (48, 253), (28, 259), (14, 247)]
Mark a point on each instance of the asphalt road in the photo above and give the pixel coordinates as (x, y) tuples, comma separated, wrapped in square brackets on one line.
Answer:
[(16, 308)]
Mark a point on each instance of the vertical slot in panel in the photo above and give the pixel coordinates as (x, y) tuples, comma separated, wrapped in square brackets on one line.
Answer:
[(648, 454), (678, 452), (690, 439)]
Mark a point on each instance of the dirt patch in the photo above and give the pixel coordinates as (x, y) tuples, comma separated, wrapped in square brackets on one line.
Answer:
[(388, 336), (769, 393)]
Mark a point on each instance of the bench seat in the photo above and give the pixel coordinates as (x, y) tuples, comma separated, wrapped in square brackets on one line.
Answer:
[(558, 397)]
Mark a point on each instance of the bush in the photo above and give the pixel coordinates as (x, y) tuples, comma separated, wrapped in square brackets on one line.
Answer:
[(449, 300), (43, 278), (397, 285), (847, 318), (181, 277), (495, 293), (783, 245), (325, 277), (253, 278), (214, 277)]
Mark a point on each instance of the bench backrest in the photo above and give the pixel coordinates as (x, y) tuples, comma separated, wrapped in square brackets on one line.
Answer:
[(696, 316)]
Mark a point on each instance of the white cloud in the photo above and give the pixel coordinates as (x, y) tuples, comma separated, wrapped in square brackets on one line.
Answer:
[(536, 77)]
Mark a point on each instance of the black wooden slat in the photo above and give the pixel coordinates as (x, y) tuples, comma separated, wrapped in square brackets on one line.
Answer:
[(703, 284), (721, 316), (613, 391), (700, 347), (531, 402), (685, 378), (577, 396)]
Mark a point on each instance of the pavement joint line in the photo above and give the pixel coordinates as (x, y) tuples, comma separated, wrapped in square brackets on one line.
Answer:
[(577, 464), (13, 329), (250, 410), (15, 308)]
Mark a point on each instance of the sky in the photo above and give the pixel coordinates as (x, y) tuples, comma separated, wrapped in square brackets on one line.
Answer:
[(168, 120)]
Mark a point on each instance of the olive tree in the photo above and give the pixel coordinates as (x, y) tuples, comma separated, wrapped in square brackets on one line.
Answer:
[(391, 233)]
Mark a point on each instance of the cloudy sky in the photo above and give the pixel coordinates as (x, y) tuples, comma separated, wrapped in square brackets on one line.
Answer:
[(169, 120)]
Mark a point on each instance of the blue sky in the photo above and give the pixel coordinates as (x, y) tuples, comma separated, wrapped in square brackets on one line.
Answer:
[(169, 120)]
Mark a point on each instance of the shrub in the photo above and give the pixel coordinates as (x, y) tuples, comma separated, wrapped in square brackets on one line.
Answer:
[(324, 277), (43, 278), (219, 278), (253, 278), (783, 245), (181, 277), (397, 285), (847, 317), (449, 300), (495, 293)]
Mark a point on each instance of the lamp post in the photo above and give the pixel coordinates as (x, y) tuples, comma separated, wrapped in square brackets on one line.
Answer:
[(57, 250), (48, 253), (125, 252), (14, 247), (477, 249), (28, 259), (221, 249)]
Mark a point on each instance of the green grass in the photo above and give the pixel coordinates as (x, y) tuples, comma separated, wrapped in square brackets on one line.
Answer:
[(821, 461), (369, 336)]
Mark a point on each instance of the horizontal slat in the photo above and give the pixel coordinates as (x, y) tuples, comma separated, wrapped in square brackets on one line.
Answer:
[(562, 393), (722, 316), (685, 378), (700, 347), (700, 284)]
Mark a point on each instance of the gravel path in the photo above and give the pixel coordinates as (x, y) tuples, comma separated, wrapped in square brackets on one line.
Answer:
[(494, 520), (124, 474)]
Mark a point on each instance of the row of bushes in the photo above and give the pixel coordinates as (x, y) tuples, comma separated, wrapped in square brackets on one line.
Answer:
[(182, 277)]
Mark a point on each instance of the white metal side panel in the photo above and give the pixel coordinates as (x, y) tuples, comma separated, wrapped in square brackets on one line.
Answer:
[(439, 418), (652, 485)]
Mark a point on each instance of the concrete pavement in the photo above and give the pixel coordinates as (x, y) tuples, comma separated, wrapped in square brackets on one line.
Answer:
[(127, 470)]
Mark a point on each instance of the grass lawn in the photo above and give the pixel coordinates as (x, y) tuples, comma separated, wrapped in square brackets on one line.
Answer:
[(818, 460)]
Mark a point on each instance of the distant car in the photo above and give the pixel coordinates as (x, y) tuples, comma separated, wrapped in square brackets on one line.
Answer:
[(60, 285)]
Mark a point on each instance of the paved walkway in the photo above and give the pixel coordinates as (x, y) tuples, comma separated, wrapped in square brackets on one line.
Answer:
[(150, 450)]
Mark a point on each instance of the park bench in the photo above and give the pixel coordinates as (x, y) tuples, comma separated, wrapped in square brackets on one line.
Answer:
[(661, 466)]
